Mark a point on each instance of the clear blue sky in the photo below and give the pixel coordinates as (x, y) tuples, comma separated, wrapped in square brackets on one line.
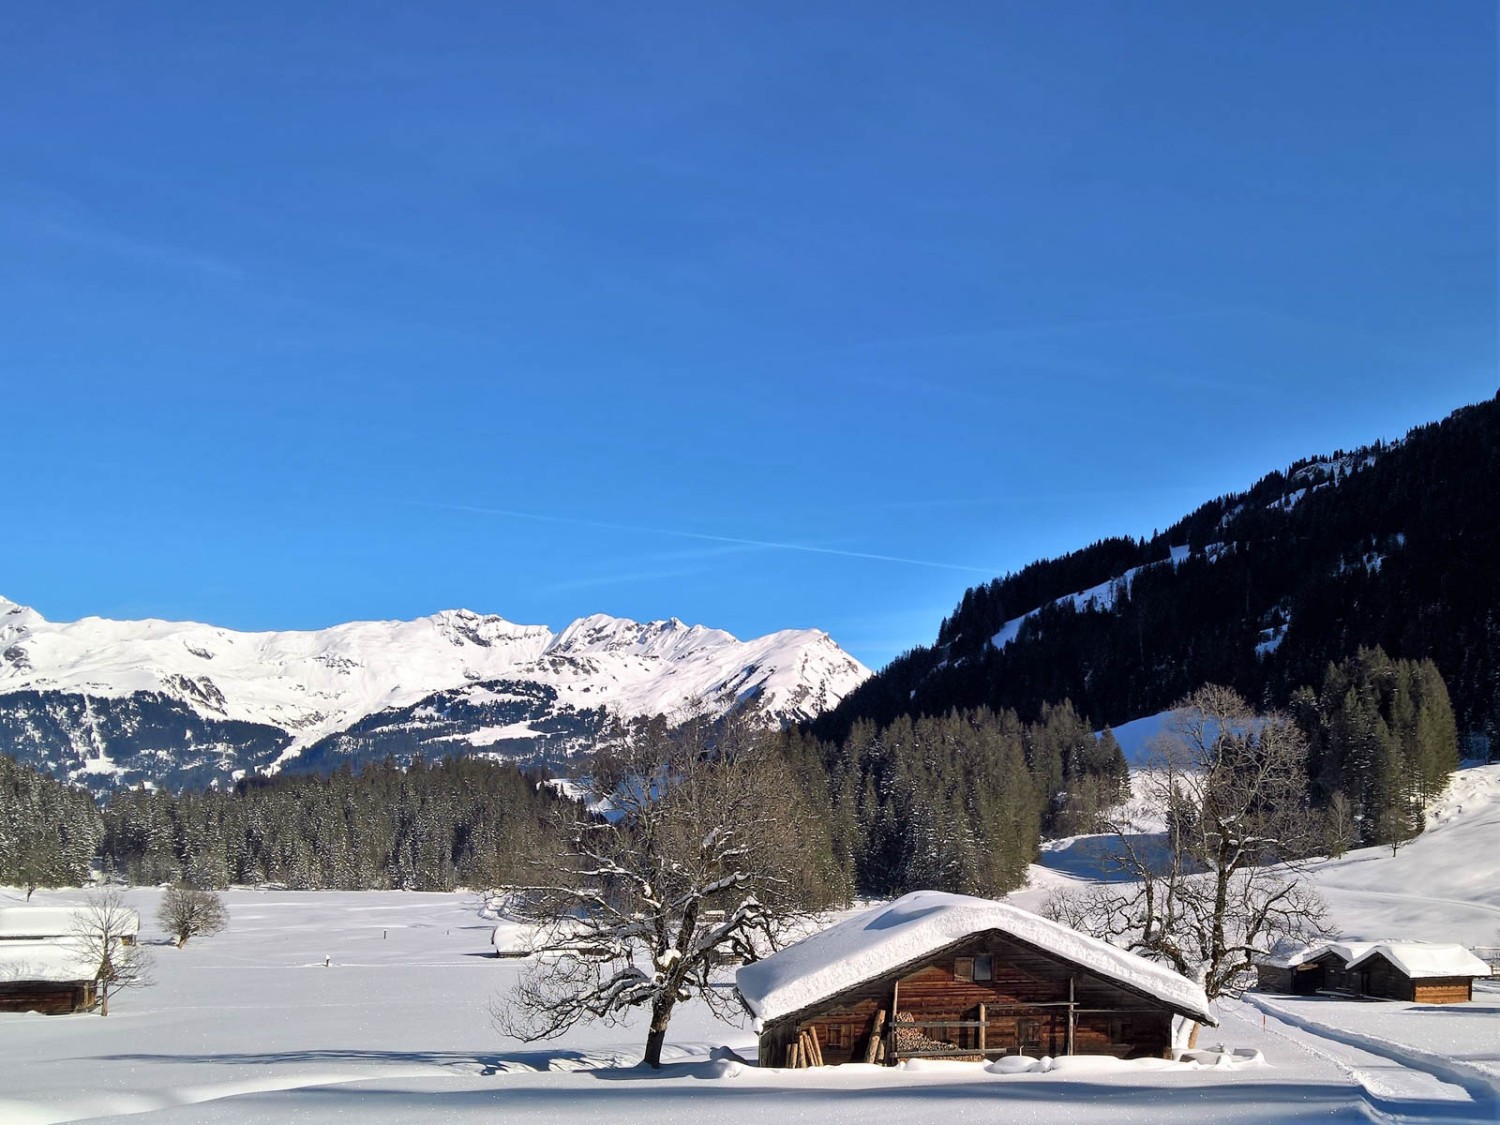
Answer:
[(759, 315)]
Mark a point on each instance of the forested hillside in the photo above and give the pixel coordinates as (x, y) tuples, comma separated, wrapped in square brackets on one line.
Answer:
[(1393, 546), (461, 821), (956, 802), (953, 802), (49, 832)]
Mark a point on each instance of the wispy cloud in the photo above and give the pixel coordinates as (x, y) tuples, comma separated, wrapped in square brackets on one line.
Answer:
[(679, 533), (138, 249), (1024, 499), (622, 578), (1027, 330), (56, 218)]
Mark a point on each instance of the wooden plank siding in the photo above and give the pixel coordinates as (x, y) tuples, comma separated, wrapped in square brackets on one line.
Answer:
[(1378, 979), (1443, 990), (48, 997), (1301, 980), (1273, 978), (1025, 1002)]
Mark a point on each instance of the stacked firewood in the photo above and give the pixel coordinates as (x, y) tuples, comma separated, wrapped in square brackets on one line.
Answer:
[(910, 1041)]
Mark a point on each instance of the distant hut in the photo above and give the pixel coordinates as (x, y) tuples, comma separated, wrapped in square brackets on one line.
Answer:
[(1423, 972), (1418, 971), (513, 938), (45, 976), (1301, 970), (940, 975), (48, 923), (42, 967)]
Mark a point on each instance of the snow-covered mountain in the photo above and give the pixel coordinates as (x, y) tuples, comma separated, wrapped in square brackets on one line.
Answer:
[(113, 702)]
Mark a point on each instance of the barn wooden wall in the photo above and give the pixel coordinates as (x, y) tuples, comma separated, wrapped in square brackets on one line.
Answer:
[(46, 997), (1110, 1020)]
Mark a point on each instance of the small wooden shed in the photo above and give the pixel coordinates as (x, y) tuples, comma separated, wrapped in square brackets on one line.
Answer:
[(45, 976), (1301, 971), (935, 975), (1417, 971)]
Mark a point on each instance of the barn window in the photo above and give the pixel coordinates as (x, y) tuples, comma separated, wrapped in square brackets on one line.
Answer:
[(984, 968), (963, 968)]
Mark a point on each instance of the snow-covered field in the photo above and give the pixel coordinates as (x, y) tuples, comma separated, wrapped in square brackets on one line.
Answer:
[(252, 1026)]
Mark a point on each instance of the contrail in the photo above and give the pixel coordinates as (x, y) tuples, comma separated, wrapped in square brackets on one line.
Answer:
[(763, 543)]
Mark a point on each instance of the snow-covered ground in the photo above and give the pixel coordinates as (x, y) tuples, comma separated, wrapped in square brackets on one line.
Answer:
[(252, 1026)]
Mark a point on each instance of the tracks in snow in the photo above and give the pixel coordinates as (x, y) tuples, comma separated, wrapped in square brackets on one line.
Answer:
[(1396, 1085)]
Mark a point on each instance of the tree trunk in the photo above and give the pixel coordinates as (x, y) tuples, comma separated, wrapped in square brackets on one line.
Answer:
[(661, 1013), (104, 1001), (1193, 1036)]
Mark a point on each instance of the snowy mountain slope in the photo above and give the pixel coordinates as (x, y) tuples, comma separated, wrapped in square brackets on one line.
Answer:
[(1390, 545), (1101, 596), (84, 687), (1314, 476), (1444, 886)]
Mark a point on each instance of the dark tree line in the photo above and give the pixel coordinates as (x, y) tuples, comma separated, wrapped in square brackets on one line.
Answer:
[(1382, 744), (957, 802), (1399, 553), (429, 826), (49, 832)]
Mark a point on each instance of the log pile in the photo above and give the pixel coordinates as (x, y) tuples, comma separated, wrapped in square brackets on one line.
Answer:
[(910, 1041), (805, 1050)]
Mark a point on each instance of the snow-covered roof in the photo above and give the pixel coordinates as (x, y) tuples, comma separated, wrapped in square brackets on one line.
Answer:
[(44, 961), (23, 922), (1417, 959), (1288, 955), (1420, 960), (877, 941)]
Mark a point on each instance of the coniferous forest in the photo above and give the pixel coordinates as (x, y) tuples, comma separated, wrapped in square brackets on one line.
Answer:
[(953, 802), (1358, 593), (1392, 546)]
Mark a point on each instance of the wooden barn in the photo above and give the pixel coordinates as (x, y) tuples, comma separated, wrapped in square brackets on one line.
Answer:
[(1301, 972), (1417, 971), (937, 975), (1423, 972), (42, 968), (44, 976)]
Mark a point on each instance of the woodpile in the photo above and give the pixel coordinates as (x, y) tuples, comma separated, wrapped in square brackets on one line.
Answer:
[(805, 1050), (911, 1042)]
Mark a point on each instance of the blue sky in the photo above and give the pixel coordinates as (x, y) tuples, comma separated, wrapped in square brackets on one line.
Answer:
[(758, 315)]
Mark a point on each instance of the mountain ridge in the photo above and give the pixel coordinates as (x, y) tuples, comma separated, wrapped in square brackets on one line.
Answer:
[(532, 690), (1391, 545)]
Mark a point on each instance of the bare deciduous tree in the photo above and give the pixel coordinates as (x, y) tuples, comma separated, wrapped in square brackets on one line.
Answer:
[(190, 911), (1210, 846), (699, 857), (104, 933)]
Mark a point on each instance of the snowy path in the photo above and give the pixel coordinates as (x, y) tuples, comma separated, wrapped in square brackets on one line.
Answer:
[(1397, 1084), (1398, 1031)]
